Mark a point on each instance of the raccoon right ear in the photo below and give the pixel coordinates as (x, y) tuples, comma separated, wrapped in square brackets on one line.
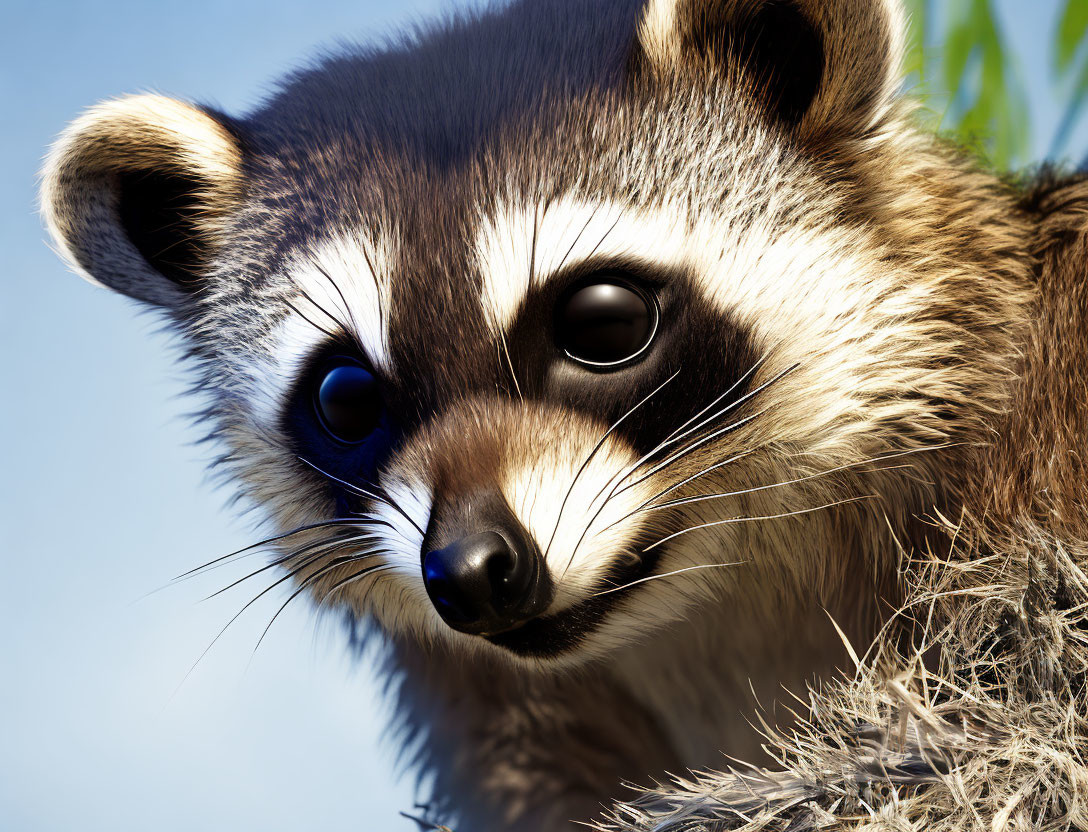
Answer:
[(135, 194), (817, 66)]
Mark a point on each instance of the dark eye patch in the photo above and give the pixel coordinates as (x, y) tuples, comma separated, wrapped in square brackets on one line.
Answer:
[(707, 348), (338, 418)]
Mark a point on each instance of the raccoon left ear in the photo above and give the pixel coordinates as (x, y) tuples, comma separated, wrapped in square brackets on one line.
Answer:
[(136, 193), (819, 66)]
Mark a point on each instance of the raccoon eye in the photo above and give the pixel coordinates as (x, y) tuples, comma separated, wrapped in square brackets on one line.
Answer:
[(347, 401), (605, 323)]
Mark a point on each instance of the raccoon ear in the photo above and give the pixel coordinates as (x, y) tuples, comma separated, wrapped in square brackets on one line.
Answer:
[(821, 66), (135, 193)]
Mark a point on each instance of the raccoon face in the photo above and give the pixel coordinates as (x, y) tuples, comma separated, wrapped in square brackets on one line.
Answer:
[(537, 362)]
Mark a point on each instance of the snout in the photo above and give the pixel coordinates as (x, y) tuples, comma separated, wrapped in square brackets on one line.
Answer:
[(483, 571)]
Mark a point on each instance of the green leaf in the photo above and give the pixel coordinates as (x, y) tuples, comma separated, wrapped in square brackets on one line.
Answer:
[(1072, 32), (959, 43), (990, 108)]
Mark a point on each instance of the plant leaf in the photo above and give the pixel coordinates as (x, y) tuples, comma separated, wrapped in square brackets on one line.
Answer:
[(1072, 32)]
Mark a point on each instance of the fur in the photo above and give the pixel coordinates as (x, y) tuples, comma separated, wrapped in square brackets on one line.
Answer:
[(979, 720), (856, 339)]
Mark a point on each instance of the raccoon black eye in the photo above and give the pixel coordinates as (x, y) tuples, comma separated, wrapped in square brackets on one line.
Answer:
[(347, 402), (605, 323)]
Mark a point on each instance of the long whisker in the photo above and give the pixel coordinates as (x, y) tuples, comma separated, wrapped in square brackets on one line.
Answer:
[(352, 578), (755, 517), (340, 521), (646, 504), (617, 490), (729, 390), (377, 288), (645, 507), (307, 582), (338, 323), (616, 480), (293, 573), (322, 546), (674, 437), (347, 306), (593, 453), (687, 480), (686, 451), (668, 575), (751, 394), (570, 250), (510, 365), (606, 235), (384, 498), (741, 492)]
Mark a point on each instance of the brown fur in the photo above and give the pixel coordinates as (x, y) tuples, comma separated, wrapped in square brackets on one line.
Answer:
[(981, 720)]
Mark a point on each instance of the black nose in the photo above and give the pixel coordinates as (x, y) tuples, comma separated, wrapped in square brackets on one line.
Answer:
[(486, 583)]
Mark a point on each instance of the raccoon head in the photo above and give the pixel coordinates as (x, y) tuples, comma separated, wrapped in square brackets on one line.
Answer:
[(538, 332)]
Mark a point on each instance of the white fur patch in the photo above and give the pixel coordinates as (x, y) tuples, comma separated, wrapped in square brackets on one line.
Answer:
[(402, 539), (338, 292), (583, 542), (657, 31)]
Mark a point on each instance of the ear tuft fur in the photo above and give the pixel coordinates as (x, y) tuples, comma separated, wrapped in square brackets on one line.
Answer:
[(135, 192), (820, 66)]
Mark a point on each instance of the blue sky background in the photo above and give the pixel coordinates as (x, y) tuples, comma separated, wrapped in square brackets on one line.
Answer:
[(103, 496)]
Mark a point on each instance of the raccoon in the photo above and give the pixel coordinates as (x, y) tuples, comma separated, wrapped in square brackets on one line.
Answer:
[(602, 359)]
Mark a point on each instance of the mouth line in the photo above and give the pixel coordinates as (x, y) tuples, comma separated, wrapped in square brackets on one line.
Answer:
[(550, 636)]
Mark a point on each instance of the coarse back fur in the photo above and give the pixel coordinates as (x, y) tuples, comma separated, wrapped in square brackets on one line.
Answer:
[(855, 336)]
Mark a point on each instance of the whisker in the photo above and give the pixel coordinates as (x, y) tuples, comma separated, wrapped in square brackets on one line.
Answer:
[(593, 453), (293, 573), (352, 578), (347, 306), (307, 582), (751, 394), (690, 449), (322, 545), (617, 490), (339, 323), (268, 540), (646, 504), (732, 387), (364, 248), (311, 322), (616, 480), (708, 469), (674, 437), (755, 517), (570, 250), (846, 467), (668, 575), (384, 498), (510, 365), (741, 492), (600, 242)]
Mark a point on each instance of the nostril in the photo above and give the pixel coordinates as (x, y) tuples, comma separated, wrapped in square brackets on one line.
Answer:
[(502, 570), (482, 583), (443, 591)]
